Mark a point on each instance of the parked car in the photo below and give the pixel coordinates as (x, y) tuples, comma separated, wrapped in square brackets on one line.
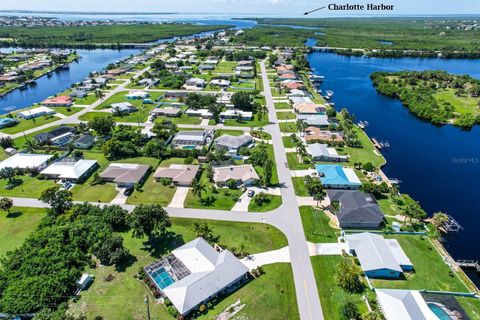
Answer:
[(250, 193), (128, 192)]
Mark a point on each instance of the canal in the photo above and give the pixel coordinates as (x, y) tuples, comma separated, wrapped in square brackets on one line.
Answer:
[(438, 166), (90, 60)]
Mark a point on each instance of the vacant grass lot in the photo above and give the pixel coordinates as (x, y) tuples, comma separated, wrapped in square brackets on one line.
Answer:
[(425, 259), (288, 127), (274, 203), (367, 153), (31, 187), (288, 142), (299, 187), (255, 122), (68, 111), (97, 193), (89, 99), (286, 115), (14, 228), (23, 124), (462, 105), (272, 296), (152, 192), (316, 226), (282, 105), (294, 163), (183, 119)]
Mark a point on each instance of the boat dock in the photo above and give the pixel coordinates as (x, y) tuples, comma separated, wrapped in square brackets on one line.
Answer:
[(469, 264), (376, 144)]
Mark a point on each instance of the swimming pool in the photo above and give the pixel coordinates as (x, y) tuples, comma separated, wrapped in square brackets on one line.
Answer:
[(162, 278), (188, 147), (438, 311)]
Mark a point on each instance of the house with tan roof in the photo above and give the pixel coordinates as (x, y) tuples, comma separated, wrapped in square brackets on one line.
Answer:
[(243, 174), (317, 134), (125, 174), (181, 175), (309, 108)]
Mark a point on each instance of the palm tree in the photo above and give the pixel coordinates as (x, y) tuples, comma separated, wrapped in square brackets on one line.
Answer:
[(198, 188), (99, 94), (439, 219)]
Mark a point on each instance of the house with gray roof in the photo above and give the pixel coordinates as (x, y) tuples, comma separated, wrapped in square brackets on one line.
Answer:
[(233, 143), (317, 120), (191, 139), (356, 209), (196, 273), (379, 257), (322, 152)]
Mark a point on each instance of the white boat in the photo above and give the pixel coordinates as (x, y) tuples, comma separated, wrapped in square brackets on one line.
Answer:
[(329, 93)]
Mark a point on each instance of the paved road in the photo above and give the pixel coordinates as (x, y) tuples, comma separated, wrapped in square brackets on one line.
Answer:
[(286, 218)]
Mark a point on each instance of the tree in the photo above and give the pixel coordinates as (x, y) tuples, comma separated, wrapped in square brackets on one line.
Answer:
[(115, 216), (350, 311), (198, 188), (148, 220), (59, 200), (369, 167), (314, 187), (6, 142), (8, 173), (261, 198), (99, 94), (242, 100), (111, 251), (439, 219), (267, 172), (348, 277), (203, 230), (102, 125), (6, 204)]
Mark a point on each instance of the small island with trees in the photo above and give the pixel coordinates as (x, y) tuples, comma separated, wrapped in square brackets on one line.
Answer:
[(436, 96)]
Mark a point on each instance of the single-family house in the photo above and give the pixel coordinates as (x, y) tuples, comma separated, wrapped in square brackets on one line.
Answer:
[(316, 134), (379, 257), (85, 141), (78, 94), (397, 304), (70, 169), (220, 83), (195, 273), (84, 281), (58, 136), (167, 112), (235, 113), (322, 152), (7, 122), (315, 120), (206, 67), (26, 162), (243, 174), (337, 177), (125, 174), (123, 108), (181, 175), (356, 209), (292, 84), (191, 139), (233, 143), (35, 113), (309, 108), (195, 83), (202, 113), (137, 95)]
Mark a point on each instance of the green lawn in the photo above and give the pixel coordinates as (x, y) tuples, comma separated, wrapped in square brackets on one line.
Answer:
[(471, 306), (91, 98), (288, 127), (282, 105), (331, 295), (183, 119), (90, 115), (255, 122), (299, 187), (226, 66), (29, 124), (272, 295), (294, 164), (285, 115), (364, 154), (316, 226), (288, 142), (121, 97), (221, 132), (224, 199), (138, 116), (15, 227), (168, 162), (461, 105), (97, 193), (275, 202), (271, 155), (152, 192), (425, 259), (30, 188), (68, 111)]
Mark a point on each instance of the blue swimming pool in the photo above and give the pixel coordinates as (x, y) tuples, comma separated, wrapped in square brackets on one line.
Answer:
[(162, 278), (188, 147), (439, 312)]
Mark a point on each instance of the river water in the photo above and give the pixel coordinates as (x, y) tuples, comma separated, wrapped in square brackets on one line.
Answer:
[(438, 166), (91, 60)]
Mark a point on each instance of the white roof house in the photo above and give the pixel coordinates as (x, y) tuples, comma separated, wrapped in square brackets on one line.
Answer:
[(210, 273), (322, 152), (404, 305), (234, 113), (71, 170), (26, 161), (379, 257), (137, 95), (202, 113), (35, 112), (220, 83)]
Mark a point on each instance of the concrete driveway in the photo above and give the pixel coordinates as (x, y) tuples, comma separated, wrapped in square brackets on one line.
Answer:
[(244, 200), (178, 199), (326, 249), (260, 259)]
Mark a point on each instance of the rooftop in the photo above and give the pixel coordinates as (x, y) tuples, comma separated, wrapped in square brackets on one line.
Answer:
[(69, 169), (25, 161), (404, 305), (337, 175)]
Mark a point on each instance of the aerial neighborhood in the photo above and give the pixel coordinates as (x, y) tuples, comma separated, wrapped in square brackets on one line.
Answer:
[(208, 179)]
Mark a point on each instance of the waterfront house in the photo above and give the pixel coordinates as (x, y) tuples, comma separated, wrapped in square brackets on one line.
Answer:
[(35, 113), (7, 122), (321, 152), (356, 209), (180, 175), (291, 84), (379, 257), (242, 174), (78, 94), (70, 169), (337, 177), (309, 108), (195, 273), (398, 304), (313, 134), (60, 101), (26, 162), (125, 175), (317, 120)]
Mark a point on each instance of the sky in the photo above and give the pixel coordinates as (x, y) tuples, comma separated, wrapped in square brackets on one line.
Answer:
[(233, 7)]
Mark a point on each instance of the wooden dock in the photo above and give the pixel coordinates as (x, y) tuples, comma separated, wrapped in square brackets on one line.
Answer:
[(469, 264), (376, 144)]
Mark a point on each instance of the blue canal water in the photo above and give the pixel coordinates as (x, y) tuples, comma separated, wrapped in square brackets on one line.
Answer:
[(438, 166), (91, 60)]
